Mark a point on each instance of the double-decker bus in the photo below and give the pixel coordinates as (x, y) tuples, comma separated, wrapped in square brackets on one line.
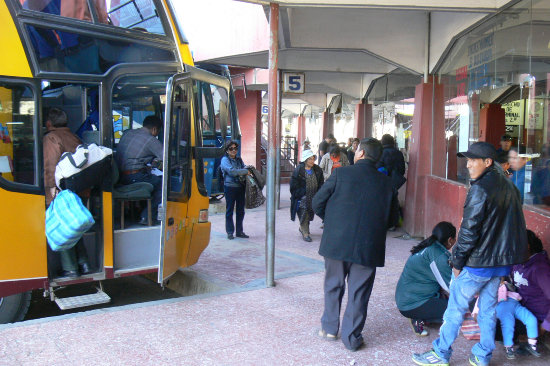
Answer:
[(108, 64)]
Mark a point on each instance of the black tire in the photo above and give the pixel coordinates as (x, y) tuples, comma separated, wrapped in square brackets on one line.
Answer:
[(14, 308)]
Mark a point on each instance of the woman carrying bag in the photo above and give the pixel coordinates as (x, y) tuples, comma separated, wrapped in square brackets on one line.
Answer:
[(306, 180), (234, 173)]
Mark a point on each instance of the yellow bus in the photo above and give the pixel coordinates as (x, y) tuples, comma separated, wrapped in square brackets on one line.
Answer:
[(108, 64)]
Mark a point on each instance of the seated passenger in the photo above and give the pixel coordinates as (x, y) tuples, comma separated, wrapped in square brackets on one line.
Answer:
[(58, 140), (426, 273), (532, 280), (136, 152)]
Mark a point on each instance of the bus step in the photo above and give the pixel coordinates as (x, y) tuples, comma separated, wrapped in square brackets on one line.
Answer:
[(67, 303)]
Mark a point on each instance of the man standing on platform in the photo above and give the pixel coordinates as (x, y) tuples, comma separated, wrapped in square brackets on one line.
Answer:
[(356, 203), (491, 239), (323, 146)]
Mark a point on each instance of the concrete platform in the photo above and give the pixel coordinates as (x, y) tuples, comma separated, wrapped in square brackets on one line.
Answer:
[(243, 323)]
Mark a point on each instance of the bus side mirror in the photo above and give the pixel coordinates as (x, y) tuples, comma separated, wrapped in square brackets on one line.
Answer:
[(200, 152)]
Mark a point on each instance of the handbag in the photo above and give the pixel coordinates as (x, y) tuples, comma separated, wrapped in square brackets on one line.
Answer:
[(67, 219), (253, 194), (470, 328), (85, 168)]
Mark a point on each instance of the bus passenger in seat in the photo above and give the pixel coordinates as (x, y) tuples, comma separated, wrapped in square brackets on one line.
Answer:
[(135, 153), (58, 140)]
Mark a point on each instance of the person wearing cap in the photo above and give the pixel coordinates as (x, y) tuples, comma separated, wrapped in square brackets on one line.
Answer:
[(505, 143), (234, 171), (306, 180), (358, 204), (491, 239)]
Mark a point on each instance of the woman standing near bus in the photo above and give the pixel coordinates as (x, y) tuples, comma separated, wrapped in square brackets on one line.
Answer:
[(234, 171)]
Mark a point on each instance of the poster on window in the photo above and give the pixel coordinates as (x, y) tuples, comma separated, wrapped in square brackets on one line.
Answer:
[(514, 112)]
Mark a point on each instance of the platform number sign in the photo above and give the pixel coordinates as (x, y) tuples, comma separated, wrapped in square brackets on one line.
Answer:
[(293, 83)]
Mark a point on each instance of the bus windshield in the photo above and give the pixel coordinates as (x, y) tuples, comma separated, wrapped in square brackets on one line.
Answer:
[(139, 15)]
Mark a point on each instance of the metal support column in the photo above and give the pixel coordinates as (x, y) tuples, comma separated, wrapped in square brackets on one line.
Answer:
[(279, 142), (272, 143)]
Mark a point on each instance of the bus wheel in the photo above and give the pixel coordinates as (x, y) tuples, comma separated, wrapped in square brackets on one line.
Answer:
[(14, 308)]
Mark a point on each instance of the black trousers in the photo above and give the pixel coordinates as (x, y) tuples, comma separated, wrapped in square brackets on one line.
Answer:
[(360, 281), (234, 196), (431, 311)]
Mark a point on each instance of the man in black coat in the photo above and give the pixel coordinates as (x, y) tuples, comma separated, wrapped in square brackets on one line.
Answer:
[(356, 203)]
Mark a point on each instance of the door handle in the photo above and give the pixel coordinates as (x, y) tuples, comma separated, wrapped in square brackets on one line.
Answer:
[(170, 221)]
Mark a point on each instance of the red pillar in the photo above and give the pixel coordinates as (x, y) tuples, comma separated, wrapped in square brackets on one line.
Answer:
[(301, 134), (491, 124), (425, 143), (250, 119), (363, 120)]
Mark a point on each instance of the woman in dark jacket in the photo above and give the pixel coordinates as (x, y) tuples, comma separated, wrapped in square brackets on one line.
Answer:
[(426, 273), (305, 182), (234, 172)]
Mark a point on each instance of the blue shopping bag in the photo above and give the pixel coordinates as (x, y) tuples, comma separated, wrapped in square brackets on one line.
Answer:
[(67, 219)]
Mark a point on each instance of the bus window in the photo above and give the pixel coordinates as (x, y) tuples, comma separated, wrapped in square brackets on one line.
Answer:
[(179, 146), (17, 134), (140, 15), (134, 98), (219, 100)]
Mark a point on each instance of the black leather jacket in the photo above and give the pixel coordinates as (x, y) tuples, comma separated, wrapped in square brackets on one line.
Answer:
[(493, 230)]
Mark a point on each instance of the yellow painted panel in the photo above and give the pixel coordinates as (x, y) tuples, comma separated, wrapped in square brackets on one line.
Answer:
[(108, 228), (14, 60), (200, 240), (175, 237), (23, 243)]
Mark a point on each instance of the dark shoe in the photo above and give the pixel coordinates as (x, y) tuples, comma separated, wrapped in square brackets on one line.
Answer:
[(429, 358), (357, 348), (510, 353), (474, 361), (242, 235), (71, 274), (230, 236), (84, 268), (418, 328), (532, 349), (144, 221), (308, 238)]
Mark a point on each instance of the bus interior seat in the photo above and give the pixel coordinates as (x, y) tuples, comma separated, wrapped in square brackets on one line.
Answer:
[(140, 191)]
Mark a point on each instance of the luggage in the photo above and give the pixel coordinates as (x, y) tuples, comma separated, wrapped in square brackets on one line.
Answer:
[(67, 219), (253, 194), (87, 167)]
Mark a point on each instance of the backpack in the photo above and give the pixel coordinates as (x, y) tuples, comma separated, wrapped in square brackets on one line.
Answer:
[(219, 176)]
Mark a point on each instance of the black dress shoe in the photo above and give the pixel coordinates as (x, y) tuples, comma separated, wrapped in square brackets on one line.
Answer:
[(230, 236), (71, 274), (84, 268), (243, 235)]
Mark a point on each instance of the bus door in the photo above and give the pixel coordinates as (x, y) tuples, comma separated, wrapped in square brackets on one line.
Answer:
[(192, 98), (177, 175)]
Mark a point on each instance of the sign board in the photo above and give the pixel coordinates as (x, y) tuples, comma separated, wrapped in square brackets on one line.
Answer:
[(294, 83), (513, 112), (265, 110)]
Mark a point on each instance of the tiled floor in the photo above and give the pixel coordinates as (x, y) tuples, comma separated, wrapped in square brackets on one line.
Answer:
[(247, 325)]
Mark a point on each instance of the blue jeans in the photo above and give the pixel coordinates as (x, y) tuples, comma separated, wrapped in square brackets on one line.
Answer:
[(510, 310), (462, 291), (234, 195)]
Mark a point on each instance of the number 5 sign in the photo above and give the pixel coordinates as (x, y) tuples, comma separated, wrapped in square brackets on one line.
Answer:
[(293, 83)]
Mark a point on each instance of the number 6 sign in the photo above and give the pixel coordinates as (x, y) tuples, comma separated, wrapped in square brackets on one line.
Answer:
[(293, 83)]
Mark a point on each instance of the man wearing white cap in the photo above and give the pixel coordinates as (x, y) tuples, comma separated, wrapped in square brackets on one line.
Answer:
[(305, 182)]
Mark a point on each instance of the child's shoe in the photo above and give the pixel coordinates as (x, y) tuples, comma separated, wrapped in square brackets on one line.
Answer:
[(418, 328), (532, 349), (510, 353)]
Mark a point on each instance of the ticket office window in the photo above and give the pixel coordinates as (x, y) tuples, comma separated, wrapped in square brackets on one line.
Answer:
[(18, 134)]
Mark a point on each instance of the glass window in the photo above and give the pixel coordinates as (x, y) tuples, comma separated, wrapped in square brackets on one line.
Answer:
[(496, 90), (134, 98), (140, 15), (179, 150), (17, 134)]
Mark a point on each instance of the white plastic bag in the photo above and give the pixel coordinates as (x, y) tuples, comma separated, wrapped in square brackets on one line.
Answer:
[(84, 156)]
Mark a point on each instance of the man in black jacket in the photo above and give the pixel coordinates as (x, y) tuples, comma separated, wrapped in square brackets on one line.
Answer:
[(356, 204), (492, 238)]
